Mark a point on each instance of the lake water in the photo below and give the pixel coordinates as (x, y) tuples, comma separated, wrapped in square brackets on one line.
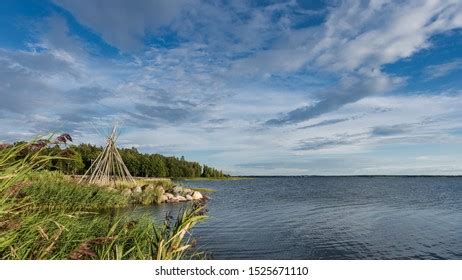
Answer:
[(331, 218)]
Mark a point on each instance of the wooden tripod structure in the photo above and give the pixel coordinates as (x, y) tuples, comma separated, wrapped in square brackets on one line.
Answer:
[(108, 168)]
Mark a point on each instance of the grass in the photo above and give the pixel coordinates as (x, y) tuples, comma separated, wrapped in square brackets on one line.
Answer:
[(157, 194), (59, 235), (165, 183), (53, 190), (42, 217), (148, 197), (106, 193)]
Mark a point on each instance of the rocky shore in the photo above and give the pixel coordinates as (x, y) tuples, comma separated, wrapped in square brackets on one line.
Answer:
[(161, 195)]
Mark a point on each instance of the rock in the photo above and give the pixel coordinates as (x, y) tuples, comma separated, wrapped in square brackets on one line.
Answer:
[(180, 198), (177, 190), (126, 192), (169, 195), (137, 189), (188, 197), (187, 191), (164, 198), (111, 189), (159, 189), (173, 199), (197, 196)]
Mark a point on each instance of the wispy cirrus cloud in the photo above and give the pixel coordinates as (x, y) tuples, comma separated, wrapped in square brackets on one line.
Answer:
[(443, 69), (390, 130), (350, 89), (323, 143), (244, 86), (360, 38), (325, 122)]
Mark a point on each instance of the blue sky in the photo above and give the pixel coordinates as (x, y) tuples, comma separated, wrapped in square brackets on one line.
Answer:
[(251, 87)]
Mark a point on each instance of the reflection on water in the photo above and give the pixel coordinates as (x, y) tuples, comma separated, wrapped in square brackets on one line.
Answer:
[(330, 218)]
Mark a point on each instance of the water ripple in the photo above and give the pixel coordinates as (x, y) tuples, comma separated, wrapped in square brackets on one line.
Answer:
[(332, 218)]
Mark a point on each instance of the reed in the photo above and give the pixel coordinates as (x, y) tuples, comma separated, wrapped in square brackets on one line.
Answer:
[(165, 183), (43, 219)]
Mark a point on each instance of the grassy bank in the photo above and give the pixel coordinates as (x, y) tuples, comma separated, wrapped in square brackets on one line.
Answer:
[(52, 190), (45, 215)]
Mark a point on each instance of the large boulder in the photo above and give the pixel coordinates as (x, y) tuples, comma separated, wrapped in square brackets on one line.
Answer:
[(188, 197), (177, 190), (180, 198), (197, 195), (169, 195), (173, 199)]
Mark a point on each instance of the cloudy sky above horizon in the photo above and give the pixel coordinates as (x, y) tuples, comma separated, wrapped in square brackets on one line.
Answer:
[(251, 87)]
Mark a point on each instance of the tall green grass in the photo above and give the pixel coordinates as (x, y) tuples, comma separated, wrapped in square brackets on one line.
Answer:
[(53, 190), (41, 218), (165, 183), (59, 235)]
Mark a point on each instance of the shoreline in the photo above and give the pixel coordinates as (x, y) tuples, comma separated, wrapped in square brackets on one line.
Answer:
[(232, 178)]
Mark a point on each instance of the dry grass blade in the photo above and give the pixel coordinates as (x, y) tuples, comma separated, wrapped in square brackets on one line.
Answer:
[(85, 250)]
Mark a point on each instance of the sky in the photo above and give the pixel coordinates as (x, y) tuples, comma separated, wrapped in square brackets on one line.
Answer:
[(251, 87)]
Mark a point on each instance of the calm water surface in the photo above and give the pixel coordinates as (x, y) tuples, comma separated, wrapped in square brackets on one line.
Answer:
[(331, 218)]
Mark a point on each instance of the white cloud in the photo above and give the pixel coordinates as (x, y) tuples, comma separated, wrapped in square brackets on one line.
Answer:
[(124, 24), (208, 96), (381, 33), (355, 42), (443, 69)]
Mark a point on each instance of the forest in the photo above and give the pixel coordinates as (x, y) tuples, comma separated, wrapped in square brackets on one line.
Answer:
[(76, 159)]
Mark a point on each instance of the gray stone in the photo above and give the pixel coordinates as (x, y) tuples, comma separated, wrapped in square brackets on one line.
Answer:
[(197, 196), (180, 198), (173, 199)]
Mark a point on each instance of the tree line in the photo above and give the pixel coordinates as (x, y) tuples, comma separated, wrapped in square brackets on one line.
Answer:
[(78, 159)]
